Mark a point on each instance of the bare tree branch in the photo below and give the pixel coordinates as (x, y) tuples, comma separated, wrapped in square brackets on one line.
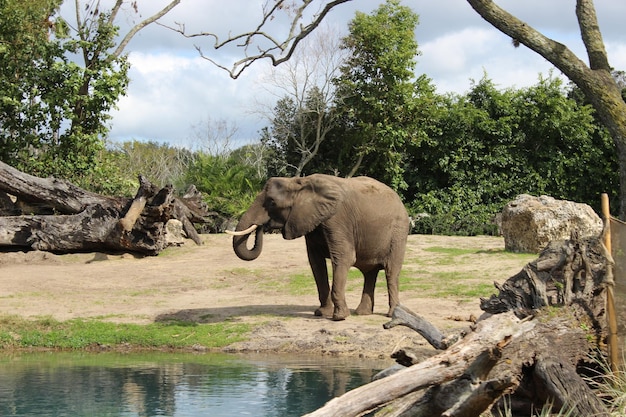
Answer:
[(278, 50), (131, 33), (307, 81)]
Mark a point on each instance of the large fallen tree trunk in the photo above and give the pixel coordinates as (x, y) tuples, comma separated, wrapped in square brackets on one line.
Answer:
[(78, 220), (537, 333)]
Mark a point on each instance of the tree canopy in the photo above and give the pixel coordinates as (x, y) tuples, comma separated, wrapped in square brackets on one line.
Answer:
[(595, 78), (58, 83), (377, 91)]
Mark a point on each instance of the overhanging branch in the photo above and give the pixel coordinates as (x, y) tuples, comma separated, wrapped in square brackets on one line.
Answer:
[(555, 52), (278, 50)]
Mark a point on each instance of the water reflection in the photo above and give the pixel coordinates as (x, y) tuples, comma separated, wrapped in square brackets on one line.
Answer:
[(107, 384)]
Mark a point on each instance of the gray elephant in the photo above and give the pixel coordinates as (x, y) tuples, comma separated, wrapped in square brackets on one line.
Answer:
[(356, 222)]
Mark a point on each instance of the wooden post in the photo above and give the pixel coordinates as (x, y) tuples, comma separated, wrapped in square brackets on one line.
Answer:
[(610, 301)]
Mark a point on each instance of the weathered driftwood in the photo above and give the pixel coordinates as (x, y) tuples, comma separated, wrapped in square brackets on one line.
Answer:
[(537, 331), (78, 220), (405, 317)]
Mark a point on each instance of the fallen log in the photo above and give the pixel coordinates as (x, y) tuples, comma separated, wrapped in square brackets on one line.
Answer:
[(78, 220), (57, 194), (544, 325)]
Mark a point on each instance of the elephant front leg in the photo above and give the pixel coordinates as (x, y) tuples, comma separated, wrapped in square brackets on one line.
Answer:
[(338, 293), (323, 289), (320, 273)]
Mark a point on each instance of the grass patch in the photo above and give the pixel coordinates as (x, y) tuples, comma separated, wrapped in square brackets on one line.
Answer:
[(142, 292), (458, 272), (245, 272), (302, 284), (448, 256), (444, 272), (465, 290), (450, 251), (448, 284), (16, 333)]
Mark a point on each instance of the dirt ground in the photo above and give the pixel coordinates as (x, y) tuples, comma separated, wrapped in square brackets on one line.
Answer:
[(209, 283)]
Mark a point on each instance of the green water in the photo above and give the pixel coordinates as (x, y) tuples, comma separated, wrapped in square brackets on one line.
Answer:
[(159, 384)]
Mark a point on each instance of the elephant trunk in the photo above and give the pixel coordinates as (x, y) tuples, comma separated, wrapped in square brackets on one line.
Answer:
[(240, 245), (256, 215)]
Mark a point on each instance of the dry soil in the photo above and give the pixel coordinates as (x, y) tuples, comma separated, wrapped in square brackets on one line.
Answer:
[(209, 283)]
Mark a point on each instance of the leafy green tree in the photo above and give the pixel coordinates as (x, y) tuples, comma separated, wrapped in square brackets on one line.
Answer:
[(229, 186), (54, 117), (595, 78), (491, 145), (297, 135), (280, 138), (54, 108), (378, 93), (461, 173), (570, 154), (26, 53)]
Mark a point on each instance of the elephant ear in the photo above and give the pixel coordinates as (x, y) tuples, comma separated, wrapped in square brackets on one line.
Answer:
[(316, 201)]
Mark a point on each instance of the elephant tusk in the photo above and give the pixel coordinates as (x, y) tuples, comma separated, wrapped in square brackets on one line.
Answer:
[(243, 232)]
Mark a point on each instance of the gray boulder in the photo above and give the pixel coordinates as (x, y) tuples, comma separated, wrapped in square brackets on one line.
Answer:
[(530, 223)]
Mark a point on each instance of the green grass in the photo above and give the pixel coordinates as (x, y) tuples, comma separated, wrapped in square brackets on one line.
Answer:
[(302, 284), (451, 256), (450, 282), (245, 272), (456, 272), (451, 251), (16, 332)]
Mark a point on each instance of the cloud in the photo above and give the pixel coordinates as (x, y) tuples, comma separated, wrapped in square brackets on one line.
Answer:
[(169, 93), (458, 58), (617, 55), (453, 51)]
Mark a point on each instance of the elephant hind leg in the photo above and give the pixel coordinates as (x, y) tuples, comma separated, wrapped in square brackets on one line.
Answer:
[(392, 274), (366, 306)]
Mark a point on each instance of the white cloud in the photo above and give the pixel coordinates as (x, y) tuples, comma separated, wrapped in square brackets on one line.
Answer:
[(452, 52), (617, 55), (168, 94), (457, 58)]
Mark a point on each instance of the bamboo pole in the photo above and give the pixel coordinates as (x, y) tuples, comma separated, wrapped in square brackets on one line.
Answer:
[(610, 300)]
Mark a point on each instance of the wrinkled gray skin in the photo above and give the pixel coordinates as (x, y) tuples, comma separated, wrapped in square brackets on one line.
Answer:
[(356, 222)]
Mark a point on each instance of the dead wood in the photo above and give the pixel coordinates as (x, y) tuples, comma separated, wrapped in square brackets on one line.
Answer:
[(448, 365), (405, 317), (542, 326), (57, 194), (67, 218)]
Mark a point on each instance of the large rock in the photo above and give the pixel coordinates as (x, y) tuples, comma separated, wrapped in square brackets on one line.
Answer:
[(530, 223)]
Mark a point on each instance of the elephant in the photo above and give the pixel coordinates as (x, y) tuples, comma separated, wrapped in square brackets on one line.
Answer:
[(357, 222)]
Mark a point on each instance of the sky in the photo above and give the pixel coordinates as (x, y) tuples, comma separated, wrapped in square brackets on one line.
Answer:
[(174, 93)]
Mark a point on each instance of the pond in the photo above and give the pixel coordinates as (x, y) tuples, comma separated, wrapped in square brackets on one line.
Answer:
[(172, 384)]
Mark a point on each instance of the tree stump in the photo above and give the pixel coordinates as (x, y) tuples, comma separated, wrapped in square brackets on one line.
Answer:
[(76, 220), (525, 351)]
